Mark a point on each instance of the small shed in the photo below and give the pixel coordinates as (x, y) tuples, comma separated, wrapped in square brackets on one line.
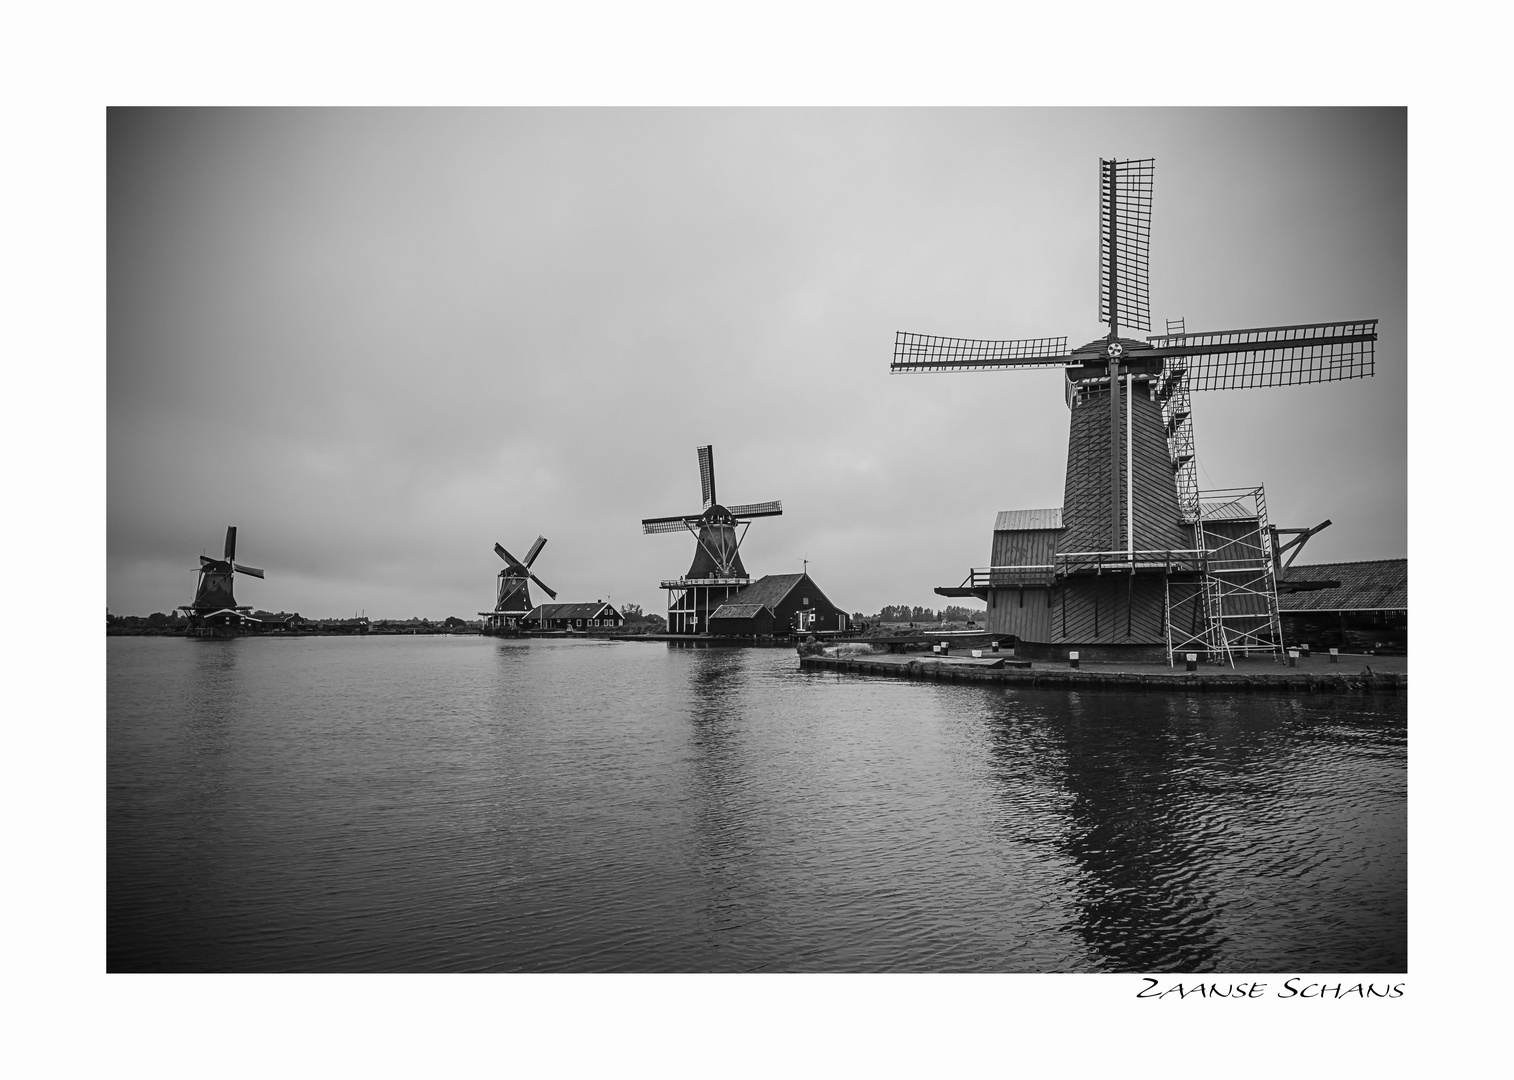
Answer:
[(1352, 606), (741, 619)]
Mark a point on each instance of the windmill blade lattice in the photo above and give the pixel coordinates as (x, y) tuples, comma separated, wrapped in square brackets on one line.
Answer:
[(929, 352), (1272, 355), (1125, 242), (667, 525), (756, 510), (707, 475)]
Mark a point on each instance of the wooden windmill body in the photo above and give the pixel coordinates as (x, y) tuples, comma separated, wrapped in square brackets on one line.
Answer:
[(1137, 562), (215, 611), (716, 571), (513, 595)]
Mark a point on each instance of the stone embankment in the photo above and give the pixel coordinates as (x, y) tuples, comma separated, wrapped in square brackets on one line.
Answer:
[(1313, 675)]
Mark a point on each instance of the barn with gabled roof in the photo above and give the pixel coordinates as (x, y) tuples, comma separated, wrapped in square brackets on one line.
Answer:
[(777, 604)]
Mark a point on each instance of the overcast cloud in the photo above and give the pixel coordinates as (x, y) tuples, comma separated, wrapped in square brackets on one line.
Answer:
[(379, 341)]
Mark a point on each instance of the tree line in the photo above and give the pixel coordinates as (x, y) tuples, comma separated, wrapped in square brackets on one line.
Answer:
[(906, 613)]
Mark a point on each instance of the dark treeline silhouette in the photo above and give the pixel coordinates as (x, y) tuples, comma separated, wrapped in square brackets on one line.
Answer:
[(905, 613)]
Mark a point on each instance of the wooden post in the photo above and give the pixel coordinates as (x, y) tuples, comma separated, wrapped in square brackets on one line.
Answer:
[(1114, 455)]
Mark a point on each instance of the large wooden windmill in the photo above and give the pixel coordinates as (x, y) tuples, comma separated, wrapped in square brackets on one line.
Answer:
[(716, 571), (513, 598), (215, 611), (1137, 560)]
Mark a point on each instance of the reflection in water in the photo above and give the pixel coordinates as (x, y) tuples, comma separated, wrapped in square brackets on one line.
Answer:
[(1143, 900), (723, 818), (438, 804), (1193, 823)]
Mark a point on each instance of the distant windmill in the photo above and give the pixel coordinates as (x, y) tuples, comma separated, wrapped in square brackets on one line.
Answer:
[(513, 600), (215, 612), (1131, 505), (716, 571)]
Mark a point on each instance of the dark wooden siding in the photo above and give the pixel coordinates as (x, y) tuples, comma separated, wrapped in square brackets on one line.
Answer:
[(1086, 503), (1023, 613), (761, 623), (1110, 610), (1024, 547)]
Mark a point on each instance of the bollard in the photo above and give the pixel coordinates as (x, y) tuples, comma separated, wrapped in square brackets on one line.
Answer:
[(935, 648), (946, 648), (994, 645), (1072, 659), (1303, 650), (1293, 658), (1335, 656), (1193, 661)]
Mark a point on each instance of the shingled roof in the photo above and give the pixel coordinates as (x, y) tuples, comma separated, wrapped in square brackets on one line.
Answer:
[(543, 612), (1379, 585), (769, 590), (739, 611)]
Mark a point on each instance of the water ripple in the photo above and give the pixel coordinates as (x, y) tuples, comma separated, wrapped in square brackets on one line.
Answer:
[(466, 804)]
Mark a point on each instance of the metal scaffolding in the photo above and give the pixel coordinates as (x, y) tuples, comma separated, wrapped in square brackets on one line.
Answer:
[(1232, 606)]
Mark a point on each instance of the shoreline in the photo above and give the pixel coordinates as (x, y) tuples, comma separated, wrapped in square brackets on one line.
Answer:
[(1353, 674)]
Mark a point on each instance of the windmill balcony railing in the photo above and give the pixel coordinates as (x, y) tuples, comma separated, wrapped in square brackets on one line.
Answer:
[(1008, 577), (1165, 561), (689, 582)]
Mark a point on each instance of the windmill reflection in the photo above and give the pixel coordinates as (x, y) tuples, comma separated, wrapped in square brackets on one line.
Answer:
[(733, 889), (1137, 822)]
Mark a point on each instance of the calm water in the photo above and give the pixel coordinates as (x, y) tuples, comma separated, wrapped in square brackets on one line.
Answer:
[(442, 804)]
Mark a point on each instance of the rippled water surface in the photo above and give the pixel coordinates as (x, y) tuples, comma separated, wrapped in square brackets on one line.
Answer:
[(441, 804)]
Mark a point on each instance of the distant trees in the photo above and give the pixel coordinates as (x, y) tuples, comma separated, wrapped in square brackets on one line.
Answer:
[(631, 612), (905, 613), (453, 620)]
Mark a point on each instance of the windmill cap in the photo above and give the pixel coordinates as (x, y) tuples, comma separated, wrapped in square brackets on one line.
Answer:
[(1098, 348)]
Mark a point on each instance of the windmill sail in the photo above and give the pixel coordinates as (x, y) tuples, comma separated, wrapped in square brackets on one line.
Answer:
[(928, 352), (755, 510), (707, 475), (1125, 242), (669, 524), (1272, 355)]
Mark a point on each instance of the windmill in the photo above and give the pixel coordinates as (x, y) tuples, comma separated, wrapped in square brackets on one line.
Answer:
[(716, 571), (513, 601), (1197, 567), (215, 612)]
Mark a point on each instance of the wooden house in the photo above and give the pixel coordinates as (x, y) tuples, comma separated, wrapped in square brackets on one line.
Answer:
[(777, 604), (596, 616)]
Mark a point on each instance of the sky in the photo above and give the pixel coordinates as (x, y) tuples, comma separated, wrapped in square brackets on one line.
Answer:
[(378, 341)]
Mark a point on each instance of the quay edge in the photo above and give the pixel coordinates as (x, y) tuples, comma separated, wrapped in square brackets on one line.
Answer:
[(1184, 682)]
